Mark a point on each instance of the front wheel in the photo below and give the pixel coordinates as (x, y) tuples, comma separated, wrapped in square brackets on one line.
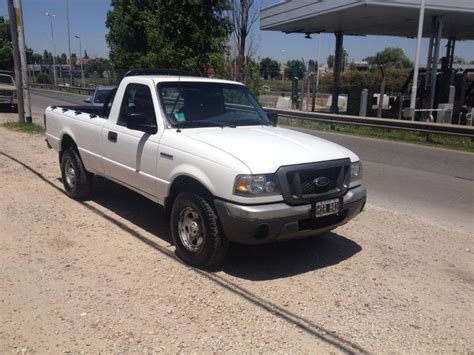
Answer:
[(195, 231), (77, 180)]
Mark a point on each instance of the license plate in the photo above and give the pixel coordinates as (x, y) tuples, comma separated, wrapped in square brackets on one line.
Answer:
[(326, 208)]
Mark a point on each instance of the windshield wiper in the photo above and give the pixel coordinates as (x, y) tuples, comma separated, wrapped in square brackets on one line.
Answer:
[(185, 124)]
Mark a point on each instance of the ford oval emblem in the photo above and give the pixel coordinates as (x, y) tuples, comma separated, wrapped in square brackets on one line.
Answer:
[(321, 181)]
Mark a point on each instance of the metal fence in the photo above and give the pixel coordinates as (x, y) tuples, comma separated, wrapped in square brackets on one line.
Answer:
[(70, 89), (414, 126)]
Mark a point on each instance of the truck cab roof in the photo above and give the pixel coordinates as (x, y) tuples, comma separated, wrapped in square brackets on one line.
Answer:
[(173, 78)]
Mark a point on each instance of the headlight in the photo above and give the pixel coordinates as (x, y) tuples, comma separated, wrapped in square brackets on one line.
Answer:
[(356, 173), (256, 185)]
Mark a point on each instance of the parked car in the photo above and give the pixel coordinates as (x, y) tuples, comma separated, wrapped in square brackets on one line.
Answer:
[(99, 96), (205, 150), (8, 98)]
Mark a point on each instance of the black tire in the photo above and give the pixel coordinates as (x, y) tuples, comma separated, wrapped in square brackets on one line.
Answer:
[(213, 246), (78, 187)]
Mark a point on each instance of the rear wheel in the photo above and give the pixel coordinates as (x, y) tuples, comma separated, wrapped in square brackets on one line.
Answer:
[(195, 231), (77, 180)]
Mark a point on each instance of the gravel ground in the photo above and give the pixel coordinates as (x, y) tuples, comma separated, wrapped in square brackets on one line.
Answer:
[(101, 276)]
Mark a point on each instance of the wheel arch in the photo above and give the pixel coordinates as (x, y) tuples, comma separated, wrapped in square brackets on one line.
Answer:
[(67, 141), (186, 183)]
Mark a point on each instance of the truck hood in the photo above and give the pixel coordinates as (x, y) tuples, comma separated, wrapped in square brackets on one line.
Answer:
[(265, 148)]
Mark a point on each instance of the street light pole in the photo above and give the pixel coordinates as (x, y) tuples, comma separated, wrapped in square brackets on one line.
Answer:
[(417, 61), (69, 42), (80, 60), (54, 46)]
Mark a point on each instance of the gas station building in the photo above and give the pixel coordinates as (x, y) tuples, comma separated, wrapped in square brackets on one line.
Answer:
[(452, 20)]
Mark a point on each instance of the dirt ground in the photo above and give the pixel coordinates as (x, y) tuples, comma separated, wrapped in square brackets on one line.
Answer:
[(101, 276)]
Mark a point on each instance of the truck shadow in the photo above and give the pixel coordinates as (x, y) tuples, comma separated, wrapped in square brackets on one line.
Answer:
[(252, 262), (285, 259), (146, 215), (132, 206)]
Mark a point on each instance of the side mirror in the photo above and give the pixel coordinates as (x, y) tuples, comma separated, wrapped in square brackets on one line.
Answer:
[(88, 100), (139, 122), (273, 117)]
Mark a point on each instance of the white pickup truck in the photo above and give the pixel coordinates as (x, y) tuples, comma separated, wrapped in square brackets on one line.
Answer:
[(206, 150)]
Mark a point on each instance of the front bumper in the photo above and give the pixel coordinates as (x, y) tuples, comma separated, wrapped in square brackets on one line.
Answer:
[(280, 221)]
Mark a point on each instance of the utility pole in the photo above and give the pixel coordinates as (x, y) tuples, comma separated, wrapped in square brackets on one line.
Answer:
[(83, 81), (69, 43), (54, 47), (16, 60), (23, 61), (417, 61)]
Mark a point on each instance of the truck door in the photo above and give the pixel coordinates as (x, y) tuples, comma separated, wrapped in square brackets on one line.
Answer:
[(130, 143)]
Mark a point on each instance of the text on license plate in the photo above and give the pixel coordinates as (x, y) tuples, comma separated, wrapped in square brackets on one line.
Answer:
[(326, 208)]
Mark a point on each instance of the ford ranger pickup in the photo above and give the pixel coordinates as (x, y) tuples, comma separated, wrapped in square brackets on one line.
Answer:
[(219, 164)]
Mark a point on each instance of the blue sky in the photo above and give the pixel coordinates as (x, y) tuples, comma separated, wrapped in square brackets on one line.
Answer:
[(87, 20)]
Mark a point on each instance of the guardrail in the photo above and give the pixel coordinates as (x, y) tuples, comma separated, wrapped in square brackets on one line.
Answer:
[(414, 126), (70, 89)]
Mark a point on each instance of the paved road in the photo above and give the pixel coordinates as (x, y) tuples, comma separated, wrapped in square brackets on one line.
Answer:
[(434, 185), (39, 97)]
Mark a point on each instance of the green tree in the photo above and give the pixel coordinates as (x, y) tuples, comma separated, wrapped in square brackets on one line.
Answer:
[(32, 57), (99, 65), (352, 66), (217, 62), (166, 33), (253, 71), (47, 57), (345, 60), (62, 59), (6, 57), (390, 57), (330, 61), (269, 68), (295, 68), (43, 78)]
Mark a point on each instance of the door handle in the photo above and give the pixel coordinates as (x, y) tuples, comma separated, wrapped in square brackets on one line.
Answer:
[(112, 136)]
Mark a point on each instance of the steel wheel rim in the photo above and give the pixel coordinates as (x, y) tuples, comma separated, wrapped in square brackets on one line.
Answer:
[(190, 229), (70, 173)]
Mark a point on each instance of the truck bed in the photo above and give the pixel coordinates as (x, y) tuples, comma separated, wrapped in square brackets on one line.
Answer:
[(93, 110)]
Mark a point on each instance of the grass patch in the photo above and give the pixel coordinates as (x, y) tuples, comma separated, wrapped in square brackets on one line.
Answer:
[(31, 128), (432, 139)]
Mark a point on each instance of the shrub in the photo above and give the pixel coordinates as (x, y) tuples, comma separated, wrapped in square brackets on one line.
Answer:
[(43, 78)]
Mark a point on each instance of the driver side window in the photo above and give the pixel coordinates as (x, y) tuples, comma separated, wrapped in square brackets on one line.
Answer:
[(137, 106)]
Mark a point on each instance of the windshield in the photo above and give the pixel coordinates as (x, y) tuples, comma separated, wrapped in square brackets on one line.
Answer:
[(6, 79), (195, 104), (101, 95)]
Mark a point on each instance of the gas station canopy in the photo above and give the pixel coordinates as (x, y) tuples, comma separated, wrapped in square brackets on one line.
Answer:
[(369, 17)]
